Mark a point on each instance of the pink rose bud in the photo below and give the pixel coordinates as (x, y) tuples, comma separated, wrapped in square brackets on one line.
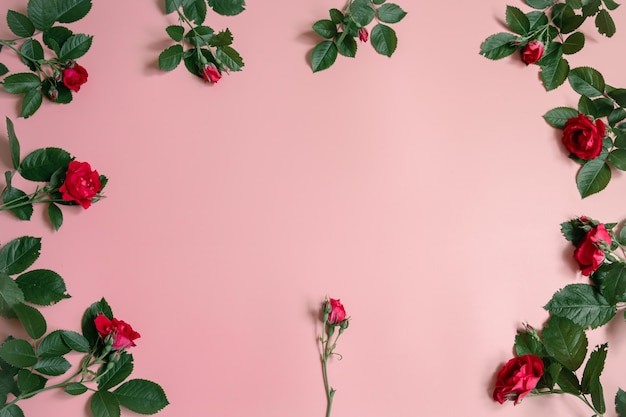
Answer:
[(363, 35), (53, 93), (532, 52), (211, 74)]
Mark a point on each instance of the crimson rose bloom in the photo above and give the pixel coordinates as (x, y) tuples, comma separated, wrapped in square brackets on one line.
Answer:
[(582, 138), (211, 74), (363, 35), (81, 184), (121, 333), (337, 313), (517, 378), (587, 253), (532, 52), (74, 77)]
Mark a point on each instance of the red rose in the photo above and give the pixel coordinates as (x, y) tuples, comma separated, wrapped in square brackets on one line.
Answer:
[(121, 332), (74, 77), (517, 378), (582, 138), (337, 313), (211, 74), (588, 255), (532, 52), (363, 35), (81, 184)]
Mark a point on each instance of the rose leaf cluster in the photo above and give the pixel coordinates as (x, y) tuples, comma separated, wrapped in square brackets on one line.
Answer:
[(344, 27), (26, 366), (205, 53), (55, 78), (67, 182)]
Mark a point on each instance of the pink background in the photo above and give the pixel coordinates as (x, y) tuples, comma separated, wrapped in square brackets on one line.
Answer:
[(425, 191)]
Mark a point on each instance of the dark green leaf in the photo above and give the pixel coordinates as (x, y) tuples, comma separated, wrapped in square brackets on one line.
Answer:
[(228, 7), (559, 115), (87, 324), (52, 366), (574, 43), (3, 69), (325, 28), (75, 388), (591, 7), (18, 353), (593, 177), (117, 374), (172, 5), (604, 107), (195, 10), (75, 341), (336, 16), (40, 164), (31, 103), (605, 23), (223, 38), (537, 19), (619, 95), (42, 287), (32, 320), (175, 32), (104, 404), (610, 4), (597, 397), (170, 58), (56, 37), (392, 13), (384, 39), (43, 13), (616, 116), (617, 157), (55, 215), (568, 20), (565, 341), (347, 47), (323, 55), (31, 53), (141, 396), (361, 12), (19, 24), (586, 106), (582, 304), (72, 10), (554, 75), (14, 195), (528, 343), (21, 83), (568, 382), (378, 2), (620, 403), (594, 367), (573, 231), (12, 411), (516, 20), (52, 345), (28, 382), (229, 58), (611, 279), (498, 46), (19, 254), (10, 295), (539, 4), (587, 81), (75, 46), (14, 144)]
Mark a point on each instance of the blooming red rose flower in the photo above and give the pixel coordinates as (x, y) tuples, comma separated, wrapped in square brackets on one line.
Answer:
[(532, 52), (517, 378), (588, 255), (81, 184), (121, 333), (211, 74), (74, 77), (582, 137), (337, 313), (363, 35)]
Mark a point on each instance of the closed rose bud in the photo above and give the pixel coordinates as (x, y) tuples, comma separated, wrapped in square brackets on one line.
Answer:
[(53, 93), (338, 313), (211, 74), (532, 52), (363, 35)]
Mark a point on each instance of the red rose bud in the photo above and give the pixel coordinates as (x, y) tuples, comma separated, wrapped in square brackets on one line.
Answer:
[(582, 137), (53, 93), (118, 331), (532, 52), (74, 76), (517, 378), (211, 74), (81, 184), (363, 35), (337, 313), (588, 253)]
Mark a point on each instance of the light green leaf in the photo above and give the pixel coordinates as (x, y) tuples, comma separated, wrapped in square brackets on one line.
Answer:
[(593, 177)]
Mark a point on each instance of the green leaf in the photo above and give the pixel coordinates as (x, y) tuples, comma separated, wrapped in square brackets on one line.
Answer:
[(18, 353), (619, 95), (582, 304), (586, 106), (554, 75), (336, 16), (32, 320), (52, 366), (75, 388), (612, 281), (617, 157), (361, 13), (10, 295), (604, 107), (587, 81), (175, 32), (539, 4), (28, 382), (172, 5), (567, 19), (56, 37), (3, 69), (87, 324), (75, 46), (72, 10), (323, 55), (594, 367), (378, 2), (170, 58), (227, 7), (499, 46), (325, 28), (565, 341), (591, 7), (42, 287), (593, 177), (347, 47), (21, 83), (605, 23), (55, 215), (610, 4), (75, 341), (31, 103), (384, 39), (574, 43), (18, 254), (19, 24), (597, 397), (392, 13), (14, 144), (104, 404), (528, 343), (31, 52), (43, 13), (14, 195), (620, 402), (537, 19), (52, 345), (616, 116), (117, 374), (12, 411), (195, 10), (559, 115), (141, 396), (40, 164), (517, 20), (568, 382), (229, 58)]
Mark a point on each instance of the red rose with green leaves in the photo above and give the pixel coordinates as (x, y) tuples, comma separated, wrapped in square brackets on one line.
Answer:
[(589, 253), (121, 333), (582, 137), (518, 378), (81, 184)]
